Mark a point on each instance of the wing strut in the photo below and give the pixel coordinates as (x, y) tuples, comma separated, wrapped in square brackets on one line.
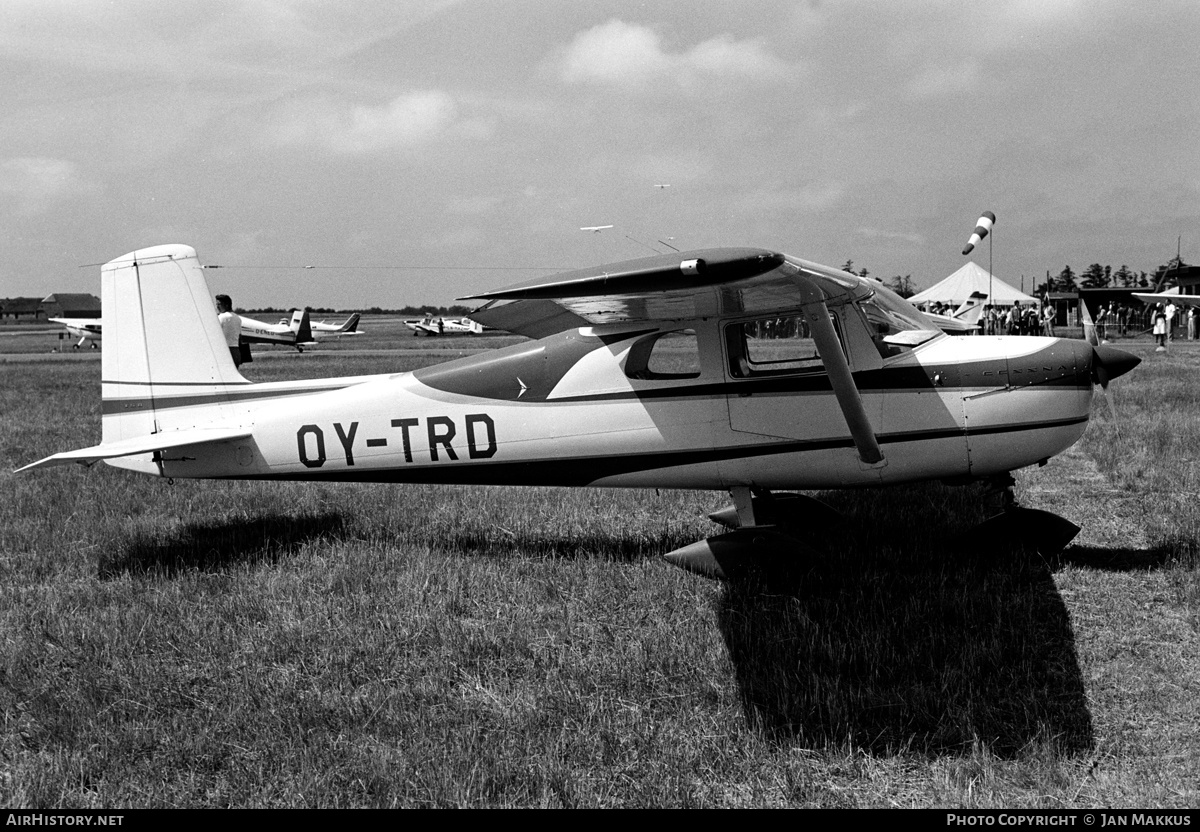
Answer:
[(838, 368)]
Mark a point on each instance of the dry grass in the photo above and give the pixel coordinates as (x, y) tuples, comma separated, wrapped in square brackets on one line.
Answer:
[(250, 644)]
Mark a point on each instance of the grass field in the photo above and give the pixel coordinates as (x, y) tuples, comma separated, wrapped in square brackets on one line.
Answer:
[(261, 645)]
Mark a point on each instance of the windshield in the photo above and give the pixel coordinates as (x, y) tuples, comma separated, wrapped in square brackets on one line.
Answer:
[(896, 321)]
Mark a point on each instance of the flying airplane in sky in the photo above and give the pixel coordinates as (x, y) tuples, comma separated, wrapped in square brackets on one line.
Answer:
[(735, 369), (86, 329), (321, 331), (595, 229), (435, 325), (294, 333)]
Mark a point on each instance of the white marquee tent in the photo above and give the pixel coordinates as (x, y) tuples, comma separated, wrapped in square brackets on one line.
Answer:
[(955, 289)]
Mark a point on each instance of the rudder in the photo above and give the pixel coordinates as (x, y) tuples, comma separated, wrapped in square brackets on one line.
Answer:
[(165, 364)]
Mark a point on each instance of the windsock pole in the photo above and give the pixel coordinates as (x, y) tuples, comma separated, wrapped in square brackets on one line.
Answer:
[(984, 225)]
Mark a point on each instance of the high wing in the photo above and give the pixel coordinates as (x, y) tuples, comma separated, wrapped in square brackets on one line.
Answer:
[(711, 282), (1152, 298)]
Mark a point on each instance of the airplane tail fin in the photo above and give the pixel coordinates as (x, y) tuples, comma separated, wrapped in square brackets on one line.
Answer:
[(167, 375), (351, 324), (165, 362), (302, 326)]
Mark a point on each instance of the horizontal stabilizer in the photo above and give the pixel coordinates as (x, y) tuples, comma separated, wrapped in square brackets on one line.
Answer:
[(142, 445)]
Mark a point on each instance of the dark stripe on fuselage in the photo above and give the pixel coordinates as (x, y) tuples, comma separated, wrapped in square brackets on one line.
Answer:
[(228, 395), (579, 471)]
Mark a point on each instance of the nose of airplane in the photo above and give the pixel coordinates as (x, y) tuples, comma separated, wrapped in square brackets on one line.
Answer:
[(1110, 362)]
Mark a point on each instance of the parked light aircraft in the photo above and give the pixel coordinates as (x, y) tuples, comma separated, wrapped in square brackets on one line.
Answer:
[(431, 325), (86, 329), (965, 320), (294, 333), (349, 327), (728, 369)]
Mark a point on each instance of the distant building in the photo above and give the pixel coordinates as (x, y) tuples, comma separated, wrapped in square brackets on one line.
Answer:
[(18, 307), (71, 305), (1186, 277)]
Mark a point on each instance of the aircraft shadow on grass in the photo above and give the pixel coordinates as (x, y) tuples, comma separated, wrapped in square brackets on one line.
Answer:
[(1130, 559), (214, 546), (896, 643)]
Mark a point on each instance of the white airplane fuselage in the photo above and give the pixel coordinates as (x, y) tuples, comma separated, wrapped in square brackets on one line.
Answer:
[(564, 411)]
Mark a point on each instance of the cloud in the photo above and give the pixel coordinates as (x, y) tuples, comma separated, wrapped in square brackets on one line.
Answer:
[(937, 81), (623, 54), (409, 120), (33, 183), (882, 234)]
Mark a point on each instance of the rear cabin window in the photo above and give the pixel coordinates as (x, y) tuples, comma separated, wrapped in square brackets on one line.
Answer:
[(664, 355), (773, 346)]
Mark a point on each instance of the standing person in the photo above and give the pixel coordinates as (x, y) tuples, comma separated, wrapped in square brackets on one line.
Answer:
[(1048, 320), (1192, 319), (1159, 327), (1102, 324), (1014, 318), (231, 326), (1170, 320)]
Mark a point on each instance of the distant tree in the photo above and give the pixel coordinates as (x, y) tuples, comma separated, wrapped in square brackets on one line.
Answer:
[(1066, 280), (902, 286), (848, 266), (1123, 277), (1094, 277)]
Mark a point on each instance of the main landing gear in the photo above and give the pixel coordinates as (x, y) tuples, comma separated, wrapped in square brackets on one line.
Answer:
[(767, 533), (764, 537)]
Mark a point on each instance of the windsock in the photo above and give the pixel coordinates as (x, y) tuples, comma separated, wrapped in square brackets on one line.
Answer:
[(981, 230)]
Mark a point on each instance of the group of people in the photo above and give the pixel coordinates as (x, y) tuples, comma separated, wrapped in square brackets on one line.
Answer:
[(1164, 319), (1112, 319)]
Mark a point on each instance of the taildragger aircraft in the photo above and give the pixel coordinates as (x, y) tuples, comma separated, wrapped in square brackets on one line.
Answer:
[(731, 369)]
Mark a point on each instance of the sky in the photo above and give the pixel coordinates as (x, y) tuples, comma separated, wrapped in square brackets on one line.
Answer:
[(414, 151)]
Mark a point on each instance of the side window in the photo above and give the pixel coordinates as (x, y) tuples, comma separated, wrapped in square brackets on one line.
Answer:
[(664, 355), (772, 346)]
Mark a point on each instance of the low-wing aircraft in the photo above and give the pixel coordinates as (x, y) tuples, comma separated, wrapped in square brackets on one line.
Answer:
[(965, 319), (733, 369), (349, 327), (435, 325), (294, 333), (86, 329)]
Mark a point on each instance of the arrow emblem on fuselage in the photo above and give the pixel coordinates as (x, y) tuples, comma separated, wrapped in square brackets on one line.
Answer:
[(524, 387)]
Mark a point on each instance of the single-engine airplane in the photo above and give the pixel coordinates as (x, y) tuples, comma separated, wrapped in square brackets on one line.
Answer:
[(732, 369), (322, 331), (965, 320), (432, 325), (88, 330), (294, 333)]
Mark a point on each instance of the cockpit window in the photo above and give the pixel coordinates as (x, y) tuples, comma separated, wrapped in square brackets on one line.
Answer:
[(664, 355), (773, 346)]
